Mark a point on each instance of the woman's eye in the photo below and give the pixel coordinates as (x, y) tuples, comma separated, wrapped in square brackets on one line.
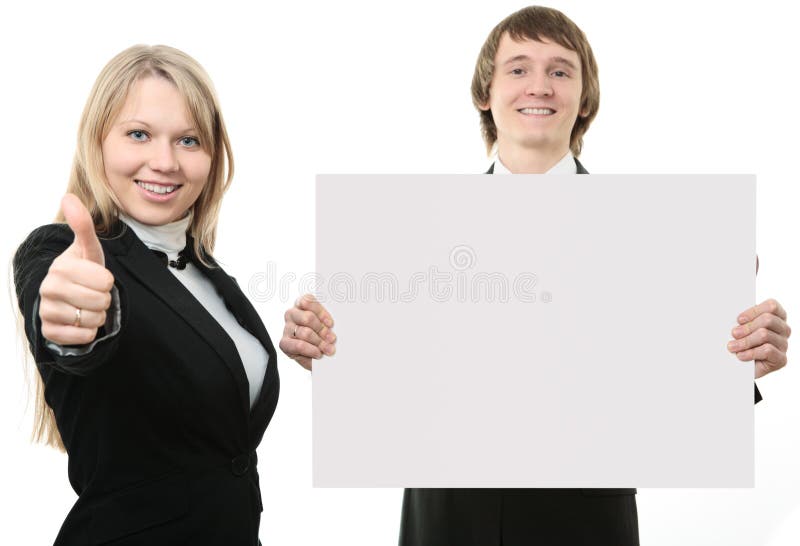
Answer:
[(560, 74), (189, 142), (517, 71), (140, 136)]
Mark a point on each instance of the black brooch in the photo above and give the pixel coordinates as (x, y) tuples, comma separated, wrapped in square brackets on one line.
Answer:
[(179, 264)]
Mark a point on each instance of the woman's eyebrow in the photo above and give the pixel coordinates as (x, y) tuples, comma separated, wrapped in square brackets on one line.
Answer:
[(136, 121), (190, 129)]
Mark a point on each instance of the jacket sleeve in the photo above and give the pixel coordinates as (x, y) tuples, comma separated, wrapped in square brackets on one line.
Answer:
[(758, 393), (31, 263)]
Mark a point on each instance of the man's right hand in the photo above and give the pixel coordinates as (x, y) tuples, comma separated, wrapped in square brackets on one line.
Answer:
[(308, 332), (76, 292)]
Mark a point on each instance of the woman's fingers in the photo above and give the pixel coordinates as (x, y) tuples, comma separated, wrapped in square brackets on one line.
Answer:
[(71, 312), (74, 295), (59, 312), (82, 272), (62, 334)]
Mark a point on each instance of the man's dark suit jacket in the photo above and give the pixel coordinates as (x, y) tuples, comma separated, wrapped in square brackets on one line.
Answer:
[(520, 517), (156, 419)]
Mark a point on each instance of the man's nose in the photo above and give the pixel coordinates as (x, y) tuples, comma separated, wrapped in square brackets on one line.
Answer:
[(539, 85)]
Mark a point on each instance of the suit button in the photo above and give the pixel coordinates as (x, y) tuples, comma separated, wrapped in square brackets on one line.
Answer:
[(241, 464)]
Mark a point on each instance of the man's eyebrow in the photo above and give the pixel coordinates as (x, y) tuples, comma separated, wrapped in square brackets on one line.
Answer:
[(554, 60), (562, 60), (517, 58)]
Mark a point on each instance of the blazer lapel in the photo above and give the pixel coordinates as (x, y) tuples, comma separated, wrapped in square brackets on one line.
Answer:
[(142, 264), (247, 317)]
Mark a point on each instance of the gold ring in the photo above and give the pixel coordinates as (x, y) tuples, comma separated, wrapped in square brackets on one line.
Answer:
[(77, 321)]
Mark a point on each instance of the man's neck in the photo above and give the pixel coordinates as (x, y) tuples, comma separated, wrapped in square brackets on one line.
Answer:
[(530, 161)]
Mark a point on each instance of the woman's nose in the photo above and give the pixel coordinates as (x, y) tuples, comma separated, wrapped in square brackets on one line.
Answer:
[(163, 158)]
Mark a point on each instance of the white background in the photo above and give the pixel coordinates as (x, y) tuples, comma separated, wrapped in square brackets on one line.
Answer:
[(324, 87)]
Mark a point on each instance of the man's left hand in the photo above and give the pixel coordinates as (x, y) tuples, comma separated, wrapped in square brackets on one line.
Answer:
[(763, 336)]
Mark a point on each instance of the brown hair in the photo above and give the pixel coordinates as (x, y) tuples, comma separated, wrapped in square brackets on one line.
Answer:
[(538, 23)]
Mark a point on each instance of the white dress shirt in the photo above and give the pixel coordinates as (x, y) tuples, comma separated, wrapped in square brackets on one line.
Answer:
[(566, 165)]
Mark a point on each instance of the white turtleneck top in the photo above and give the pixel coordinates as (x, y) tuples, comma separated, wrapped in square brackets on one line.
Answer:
[(171, 239)]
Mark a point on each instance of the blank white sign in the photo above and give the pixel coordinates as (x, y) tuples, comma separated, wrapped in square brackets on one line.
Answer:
[(534, 331)]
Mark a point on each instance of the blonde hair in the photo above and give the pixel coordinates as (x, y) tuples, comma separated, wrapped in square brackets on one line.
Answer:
[(88, 180), (537, 23)]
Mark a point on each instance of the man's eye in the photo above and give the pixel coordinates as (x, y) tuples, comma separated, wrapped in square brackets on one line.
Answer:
[(189, 142), (139, 136)]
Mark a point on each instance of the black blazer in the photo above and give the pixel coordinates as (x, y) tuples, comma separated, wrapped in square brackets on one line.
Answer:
[(156, 420)]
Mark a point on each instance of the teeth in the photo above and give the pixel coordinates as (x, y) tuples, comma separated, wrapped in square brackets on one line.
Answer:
[(156, 188), (538, 111)]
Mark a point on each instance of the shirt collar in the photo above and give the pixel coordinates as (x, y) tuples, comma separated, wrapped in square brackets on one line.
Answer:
[(566, 165)]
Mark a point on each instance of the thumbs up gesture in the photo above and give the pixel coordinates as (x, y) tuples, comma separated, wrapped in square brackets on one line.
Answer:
[(76, 292)]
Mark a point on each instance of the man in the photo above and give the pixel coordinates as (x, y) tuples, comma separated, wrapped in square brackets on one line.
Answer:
[(536, 88)]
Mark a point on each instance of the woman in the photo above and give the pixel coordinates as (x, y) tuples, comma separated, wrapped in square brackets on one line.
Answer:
[(159, 379)]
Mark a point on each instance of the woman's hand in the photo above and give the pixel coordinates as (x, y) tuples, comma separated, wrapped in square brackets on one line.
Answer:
[(763, 336), (76, 292), (308, 332)]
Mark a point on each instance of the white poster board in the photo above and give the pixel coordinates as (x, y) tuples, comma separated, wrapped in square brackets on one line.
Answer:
[(534, 331)]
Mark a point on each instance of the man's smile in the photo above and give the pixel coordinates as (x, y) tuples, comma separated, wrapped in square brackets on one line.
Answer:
[(536, 111)]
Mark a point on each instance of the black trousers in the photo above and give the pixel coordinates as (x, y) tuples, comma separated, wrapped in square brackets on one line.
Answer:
[(519, 517)]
